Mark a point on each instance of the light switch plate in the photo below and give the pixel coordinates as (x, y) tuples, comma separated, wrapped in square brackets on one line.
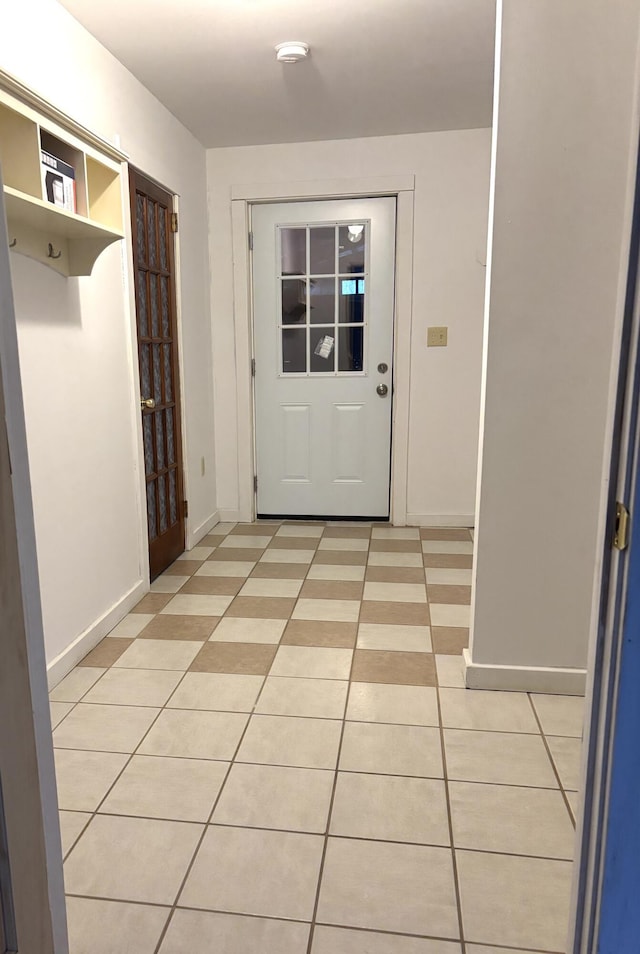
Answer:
[(437, 337)]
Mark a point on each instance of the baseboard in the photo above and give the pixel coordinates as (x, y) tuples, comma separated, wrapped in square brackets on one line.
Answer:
[(230, 516), (58, 668), (195, 536), (568, 682), (440, 520)]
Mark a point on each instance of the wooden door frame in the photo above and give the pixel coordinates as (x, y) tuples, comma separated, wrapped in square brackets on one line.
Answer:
[(402, 188), (136, 418)]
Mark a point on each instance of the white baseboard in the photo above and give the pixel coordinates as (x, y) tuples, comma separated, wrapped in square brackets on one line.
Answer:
[(58, 668), (569, 682), (231, 516), (440, 520), (195, 536)]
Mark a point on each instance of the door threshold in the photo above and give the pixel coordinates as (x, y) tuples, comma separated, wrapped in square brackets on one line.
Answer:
[(315, 516)]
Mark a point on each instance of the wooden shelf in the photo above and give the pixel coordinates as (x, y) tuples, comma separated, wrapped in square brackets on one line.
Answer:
[(69, 242)]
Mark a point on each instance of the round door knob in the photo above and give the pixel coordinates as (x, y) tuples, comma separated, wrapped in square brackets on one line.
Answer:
[(148, 403), (382, 390)]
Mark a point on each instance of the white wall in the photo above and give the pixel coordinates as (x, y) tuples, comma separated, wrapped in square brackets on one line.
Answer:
[(76, 347), (563, 153), (451, 201)]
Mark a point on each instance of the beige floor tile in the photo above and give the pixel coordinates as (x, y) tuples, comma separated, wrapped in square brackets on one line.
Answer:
[(343, 543), (395, 533), (245, 541), (500, 757), (102, 927), (396, 592), (481, 949), (234, 569), (510, 820), (279, 571), (395, 574), (72, 824), (293, 543), (287, 556), (216, 691), (450, 614), (196, 553), (441, 576), (104, 728), (322, 633), (106, 653), (84, 778), (74, 686), (493, 887), (180, 627), (59, 711), (176, 654), (280, 740), (252, 871), (567, 755), (249, 659), (342, 611), (385, 558), (372, 747), (335, 940), (444, 533), (390, 808), (213, 585), (458, 561), (262, 528), (169, 584), (450, 671), (491, 711), (335, 557), (395, 546), (134, 687), (182, 567), (261, 607), (132, 625), (449, 594), (177, 789), (300, 530), (193, 605), (414, 639), (560, 715), (194, 931), (320, 698), (133, 859), (408, 705), (389, 887), (237, 555), (332, 590), (312, 662), (363, 531), (211, 540), (152, 603), (248, 630), (449, 640), (400, 668), (388, 611), (195, 735), (447, 546), (267, 587), (276, 796)]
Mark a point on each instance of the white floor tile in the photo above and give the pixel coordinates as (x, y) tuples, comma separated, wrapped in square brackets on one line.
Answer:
[(84, 778), (504, 758), (344, 543), (395, 533), (243, 541), (396, 592), (335, 940), (448, 577), (59, 711), (325, 571), (567, 755), (319, 698), (190, 604), (216, 691), (104, 728), (450, 671), (176, 654), (447, 546), (406, 705), (287, 556), (491, 711), (312, 662), (194, 931), (195, 735), (284, 740), (411, 639), (197, 553), (381, 558), (450, 614), (560, 715), (339, 611), (391, 750), (232, 568), (103, 927), (74, 686), (306, 530), (132, 625), (168, 584), (134, 687), (72, 824)]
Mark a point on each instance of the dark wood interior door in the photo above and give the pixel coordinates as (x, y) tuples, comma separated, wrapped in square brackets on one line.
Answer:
[(154, 268)]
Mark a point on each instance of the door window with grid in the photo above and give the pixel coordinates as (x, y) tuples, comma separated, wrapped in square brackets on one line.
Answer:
[(323, 308)]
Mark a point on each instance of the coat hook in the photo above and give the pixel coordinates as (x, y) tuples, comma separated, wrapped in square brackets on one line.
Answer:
[(13, 244), (51, 254)]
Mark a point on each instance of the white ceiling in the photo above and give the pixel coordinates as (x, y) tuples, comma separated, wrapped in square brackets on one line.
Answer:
[(377, 67)]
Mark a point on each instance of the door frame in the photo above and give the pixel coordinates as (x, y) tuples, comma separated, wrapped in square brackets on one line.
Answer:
[(402, 188), (136, 418)]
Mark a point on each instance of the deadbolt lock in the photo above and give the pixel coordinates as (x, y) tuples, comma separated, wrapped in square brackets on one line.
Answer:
[(382, 390), (383, 368)]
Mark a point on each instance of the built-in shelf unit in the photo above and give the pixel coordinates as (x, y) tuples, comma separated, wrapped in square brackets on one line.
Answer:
[(68, 241)]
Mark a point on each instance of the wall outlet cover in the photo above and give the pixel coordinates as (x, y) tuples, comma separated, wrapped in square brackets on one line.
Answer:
[(437, 337)]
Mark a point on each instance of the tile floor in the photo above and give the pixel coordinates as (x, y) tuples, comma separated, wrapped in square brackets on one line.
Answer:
[(274, 753)]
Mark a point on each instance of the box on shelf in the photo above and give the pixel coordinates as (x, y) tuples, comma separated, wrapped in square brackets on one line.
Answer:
[(58, 182)]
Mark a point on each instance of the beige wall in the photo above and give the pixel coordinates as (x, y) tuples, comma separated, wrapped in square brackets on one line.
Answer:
[(564, 149)]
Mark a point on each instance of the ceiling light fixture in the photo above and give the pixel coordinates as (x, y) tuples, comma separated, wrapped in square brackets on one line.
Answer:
[(355, 232), (292, 51)]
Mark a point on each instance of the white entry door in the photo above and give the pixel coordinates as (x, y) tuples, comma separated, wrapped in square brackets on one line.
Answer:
[(323, 292)]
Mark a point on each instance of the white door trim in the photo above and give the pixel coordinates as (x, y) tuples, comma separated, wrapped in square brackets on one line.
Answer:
[(243, 197)]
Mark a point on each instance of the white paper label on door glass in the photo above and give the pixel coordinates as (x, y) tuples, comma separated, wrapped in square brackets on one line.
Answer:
[(324, 347)]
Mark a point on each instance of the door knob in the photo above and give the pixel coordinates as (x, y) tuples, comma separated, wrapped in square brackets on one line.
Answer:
[(382, 390), (147, 403)]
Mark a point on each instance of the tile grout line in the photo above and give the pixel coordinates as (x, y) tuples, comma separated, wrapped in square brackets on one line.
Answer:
[(551, 759)]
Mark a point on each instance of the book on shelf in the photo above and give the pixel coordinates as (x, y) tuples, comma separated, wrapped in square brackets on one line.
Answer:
[(58, 181)]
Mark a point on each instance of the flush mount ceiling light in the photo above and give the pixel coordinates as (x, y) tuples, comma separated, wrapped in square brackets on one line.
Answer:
[(292, 51), (354, 232)]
